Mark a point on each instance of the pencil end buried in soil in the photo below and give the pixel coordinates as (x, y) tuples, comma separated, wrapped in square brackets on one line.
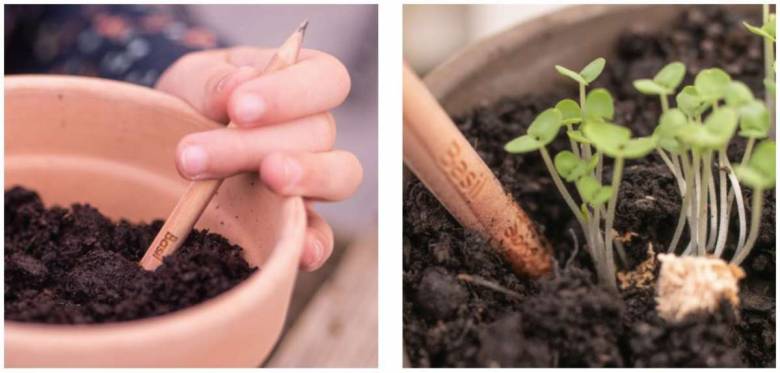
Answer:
[(523, 247)]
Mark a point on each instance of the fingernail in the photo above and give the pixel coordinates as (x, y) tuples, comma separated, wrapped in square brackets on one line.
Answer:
[(318, 251), (193, 160), (292, 171), (249, 108)]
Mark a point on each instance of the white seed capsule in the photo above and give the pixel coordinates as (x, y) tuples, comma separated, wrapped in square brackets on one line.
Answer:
[(692, 284)]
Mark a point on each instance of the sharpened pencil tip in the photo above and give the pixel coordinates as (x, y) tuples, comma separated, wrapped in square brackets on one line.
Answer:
[(302, 27)]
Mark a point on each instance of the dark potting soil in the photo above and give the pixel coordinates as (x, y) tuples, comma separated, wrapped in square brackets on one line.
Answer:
[(464, 307), (75, 266)]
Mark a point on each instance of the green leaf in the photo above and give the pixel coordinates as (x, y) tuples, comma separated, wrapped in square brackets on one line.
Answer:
[(760, 171), (670, 76), (592, 191), (578, 136), (670, 122), (571, 74), (671, 144), (570, 111), (546, 125), (602, 196), (696, 136), (763, 160), (571, 167), (599, 105), (638, 148), (565, 163), (690, 102), (738, 94), (754, 120), (712, 84), (668, 127), (593, 70), (722, 124), (607, 137), (523, 144), (649, 87), (716, 132)]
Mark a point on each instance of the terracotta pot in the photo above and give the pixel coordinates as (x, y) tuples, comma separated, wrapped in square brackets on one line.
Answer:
[(112, 144), (520, 60)]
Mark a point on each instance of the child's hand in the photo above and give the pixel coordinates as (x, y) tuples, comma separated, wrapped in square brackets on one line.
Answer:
[(286, 132)]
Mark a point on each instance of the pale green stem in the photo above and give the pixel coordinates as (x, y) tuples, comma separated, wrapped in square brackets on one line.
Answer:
[(755, 223), (574, 148), (664, 103), (621, 252), (678, 167), (748, 150), (701, 209), (586, 151), (675, 170), (723, 226), (736, 190), (617, 174), (598, 247), (561, 187), (769, 58), (683, 211), (600, 167), (712, 203)]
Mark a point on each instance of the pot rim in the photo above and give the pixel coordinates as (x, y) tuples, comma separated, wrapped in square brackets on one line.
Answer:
[(472, 57), (221, 308)]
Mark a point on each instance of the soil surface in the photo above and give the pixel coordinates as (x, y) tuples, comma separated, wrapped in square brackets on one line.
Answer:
[(75, 266), (463, 306)]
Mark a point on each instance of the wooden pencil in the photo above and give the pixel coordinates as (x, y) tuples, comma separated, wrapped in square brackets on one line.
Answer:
[(438, 153)]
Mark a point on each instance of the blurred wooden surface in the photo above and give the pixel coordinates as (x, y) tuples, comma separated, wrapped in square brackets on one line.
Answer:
[(333, 319)]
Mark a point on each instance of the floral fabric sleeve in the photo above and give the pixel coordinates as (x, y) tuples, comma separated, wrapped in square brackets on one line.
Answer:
[(132, 43)]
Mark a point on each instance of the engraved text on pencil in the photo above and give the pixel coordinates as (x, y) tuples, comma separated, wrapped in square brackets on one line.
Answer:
[(168, 239), (467, 181)]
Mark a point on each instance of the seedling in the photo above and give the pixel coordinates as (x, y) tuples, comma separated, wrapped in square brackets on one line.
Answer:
[(689, 138), (664, 83), (580, 166)]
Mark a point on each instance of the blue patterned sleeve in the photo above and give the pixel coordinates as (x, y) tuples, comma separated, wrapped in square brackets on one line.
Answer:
[(133, 43)]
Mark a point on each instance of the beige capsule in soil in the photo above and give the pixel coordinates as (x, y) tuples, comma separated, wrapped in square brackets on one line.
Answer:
[(112, 145), (690, 284)]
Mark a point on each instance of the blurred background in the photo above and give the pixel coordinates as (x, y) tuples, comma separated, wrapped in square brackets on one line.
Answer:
[(333, 316), (434, 33)]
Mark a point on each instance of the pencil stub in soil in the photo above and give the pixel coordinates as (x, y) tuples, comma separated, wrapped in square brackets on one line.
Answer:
[(75, 266)]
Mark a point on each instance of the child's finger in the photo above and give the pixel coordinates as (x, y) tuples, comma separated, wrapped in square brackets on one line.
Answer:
[(224, 152), (317, 83), (205, 79), (318, 243), (333, 175)]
